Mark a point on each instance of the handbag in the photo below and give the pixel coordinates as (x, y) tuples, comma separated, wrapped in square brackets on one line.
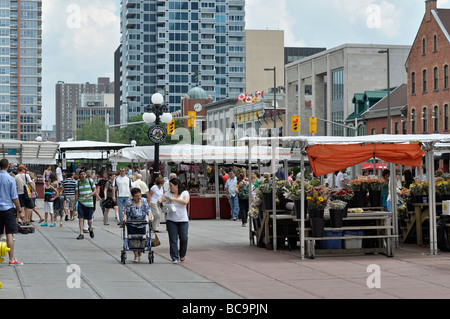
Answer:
[(168, 208), (27, 189), (155, 241), (108, 203)]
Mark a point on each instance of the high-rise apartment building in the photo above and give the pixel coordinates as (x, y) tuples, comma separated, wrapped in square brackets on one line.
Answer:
[(68, 97), (172, 46), (20, 69)]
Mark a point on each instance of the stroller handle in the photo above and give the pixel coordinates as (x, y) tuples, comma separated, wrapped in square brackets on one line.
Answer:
[(144, 222)]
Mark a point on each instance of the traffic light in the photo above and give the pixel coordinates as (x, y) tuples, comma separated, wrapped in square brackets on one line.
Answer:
[(192, 118), (295, 123), (171, 127), (312, 125)]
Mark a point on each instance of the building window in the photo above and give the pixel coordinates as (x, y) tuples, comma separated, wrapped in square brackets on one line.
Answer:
[(425, 120), (424, 46), (424, 81), (436, 79), (436, 118), (435, 43), (445, 76), (446, 117), (413, 121), (413, 83), (396, 128), (405, 125)]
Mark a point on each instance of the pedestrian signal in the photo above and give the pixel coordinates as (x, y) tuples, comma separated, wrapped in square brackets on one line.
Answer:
[(312, 125), (192, 118)]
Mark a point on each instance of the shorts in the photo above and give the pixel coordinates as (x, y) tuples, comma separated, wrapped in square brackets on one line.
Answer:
[(85, 212), (59, 212), (70, 202), (8, 221), (26, 202), (48, 207)]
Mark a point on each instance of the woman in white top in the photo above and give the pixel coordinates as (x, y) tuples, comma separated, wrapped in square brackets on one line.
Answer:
[(177, 222), (156, 193)]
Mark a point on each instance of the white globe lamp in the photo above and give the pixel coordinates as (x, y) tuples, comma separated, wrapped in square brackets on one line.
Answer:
[(149, 117), (166, 118), (157, 99)]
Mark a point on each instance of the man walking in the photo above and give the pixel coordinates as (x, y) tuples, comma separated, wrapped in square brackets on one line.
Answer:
[(85, 195), (69, 185), (9, 204), (230, 187), (122, 184)]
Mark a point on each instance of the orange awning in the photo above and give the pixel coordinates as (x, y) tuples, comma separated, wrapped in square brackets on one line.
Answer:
[(326, 159)]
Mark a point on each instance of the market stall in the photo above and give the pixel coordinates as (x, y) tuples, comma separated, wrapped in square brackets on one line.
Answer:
[(208, 196), (328, 154)]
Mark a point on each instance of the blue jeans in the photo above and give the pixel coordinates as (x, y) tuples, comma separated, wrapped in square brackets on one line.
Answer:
[(177, 230), (234, 204), (121, 201)]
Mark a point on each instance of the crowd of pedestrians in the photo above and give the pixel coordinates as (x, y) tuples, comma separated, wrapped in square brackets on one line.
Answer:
[(69, 195)]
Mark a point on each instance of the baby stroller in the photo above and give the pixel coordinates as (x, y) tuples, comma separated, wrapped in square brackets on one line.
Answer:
[(133, 242)]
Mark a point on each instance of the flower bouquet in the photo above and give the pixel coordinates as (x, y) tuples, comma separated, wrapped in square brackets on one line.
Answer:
[(317, 198), (292, 191), (359, 185), (337, 205), (341, 194), (375, 184)]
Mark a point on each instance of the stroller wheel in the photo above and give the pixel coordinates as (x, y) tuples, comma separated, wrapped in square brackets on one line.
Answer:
[(151, 258), (123, 257)]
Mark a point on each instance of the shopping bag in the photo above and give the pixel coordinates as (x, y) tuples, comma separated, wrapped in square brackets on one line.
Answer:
[(155, 241)]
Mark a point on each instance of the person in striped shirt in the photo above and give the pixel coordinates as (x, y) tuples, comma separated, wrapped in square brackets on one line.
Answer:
[(69, 185), (85, 195)]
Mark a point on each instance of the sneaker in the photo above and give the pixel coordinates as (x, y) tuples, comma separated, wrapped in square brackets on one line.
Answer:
[(52, 225), (174, 262), (44, 224), (15, 263), (81, 236), (91, 233), (60, 225)]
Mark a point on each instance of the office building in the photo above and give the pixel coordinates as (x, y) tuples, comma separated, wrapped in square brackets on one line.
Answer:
[(335, 75), (173, 46), (20, 69), (68, 97)]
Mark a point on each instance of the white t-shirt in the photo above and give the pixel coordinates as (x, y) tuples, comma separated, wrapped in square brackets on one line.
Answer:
[(20, 181), (157, 193), (181, 214), (123, 185), (59, 174), (339, 178)]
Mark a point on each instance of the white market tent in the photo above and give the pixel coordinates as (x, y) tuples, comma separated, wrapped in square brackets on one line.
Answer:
[(186, 153), (430, 143), (88, 149), (29, 152)]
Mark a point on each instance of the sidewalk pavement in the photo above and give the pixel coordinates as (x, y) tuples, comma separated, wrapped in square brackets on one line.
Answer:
[(220, 264)]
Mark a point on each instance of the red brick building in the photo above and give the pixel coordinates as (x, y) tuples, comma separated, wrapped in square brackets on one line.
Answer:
[(427, 69)]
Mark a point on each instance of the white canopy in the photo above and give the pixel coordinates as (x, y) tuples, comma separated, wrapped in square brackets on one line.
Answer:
[(197, 153), (28, 152)]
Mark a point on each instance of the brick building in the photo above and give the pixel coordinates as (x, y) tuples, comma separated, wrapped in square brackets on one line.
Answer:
[(427, 69)]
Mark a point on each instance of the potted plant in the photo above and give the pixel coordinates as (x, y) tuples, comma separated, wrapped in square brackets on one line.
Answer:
[(375, 187), (265, 188), (293, 191), (359, 188), (337, 209), (417, 192), (345, 195), (317, 198)]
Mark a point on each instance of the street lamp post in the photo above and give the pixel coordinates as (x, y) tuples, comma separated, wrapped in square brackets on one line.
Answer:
[(389, 90), (274, 69), (157, 113)]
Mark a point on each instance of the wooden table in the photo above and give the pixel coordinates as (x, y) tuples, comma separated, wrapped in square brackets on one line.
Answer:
[(421, 213)]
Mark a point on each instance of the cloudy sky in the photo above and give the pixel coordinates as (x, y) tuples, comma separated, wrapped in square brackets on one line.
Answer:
[(80, 36)]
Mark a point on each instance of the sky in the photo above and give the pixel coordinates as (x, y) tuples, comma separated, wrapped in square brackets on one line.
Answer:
[(80, 36)]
